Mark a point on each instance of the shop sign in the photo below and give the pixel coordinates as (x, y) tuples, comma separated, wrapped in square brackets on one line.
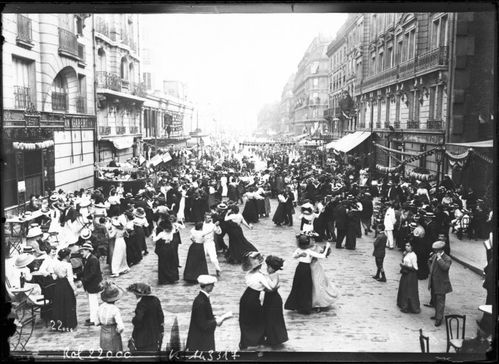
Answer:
[(76, 123), (21, 186)]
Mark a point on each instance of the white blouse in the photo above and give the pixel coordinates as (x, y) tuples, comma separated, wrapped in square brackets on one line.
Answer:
[(237, 218), (411, 260), (109, 314), (257, 281), (310, 254)]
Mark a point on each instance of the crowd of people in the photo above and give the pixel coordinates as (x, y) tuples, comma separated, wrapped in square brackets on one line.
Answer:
[(80, 232)]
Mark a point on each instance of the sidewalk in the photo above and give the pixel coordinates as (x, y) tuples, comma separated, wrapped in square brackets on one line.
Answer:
[(470, 253)]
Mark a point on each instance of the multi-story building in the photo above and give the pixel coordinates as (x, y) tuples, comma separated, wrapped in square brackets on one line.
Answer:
[(413, 85), (48, 104), (287, 106), (120, 94), (311, 87)]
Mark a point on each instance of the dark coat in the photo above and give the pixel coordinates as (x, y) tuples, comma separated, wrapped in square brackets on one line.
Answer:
[(92, 276), (340, 217), (379, 246), (201, 334), (148, 324), (439, 274)]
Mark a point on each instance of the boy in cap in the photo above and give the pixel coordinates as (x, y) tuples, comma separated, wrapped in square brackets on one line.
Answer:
[(379, 253), (91, 279), (203, 323)]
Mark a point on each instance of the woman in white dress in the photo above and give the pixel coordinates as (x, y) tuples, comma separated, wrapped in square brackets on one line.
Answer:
[(223, 181), (118, 260), (324, 292), (181, 207)]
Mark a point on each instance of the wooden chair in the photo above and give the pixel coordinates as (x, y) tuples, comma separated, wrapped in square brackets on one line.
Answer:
[(455, 326), (424, 342), (44, 302)]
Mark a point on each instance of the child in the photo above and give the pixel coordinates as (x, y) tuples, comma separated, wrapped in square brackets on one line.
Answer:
[(379, 252)]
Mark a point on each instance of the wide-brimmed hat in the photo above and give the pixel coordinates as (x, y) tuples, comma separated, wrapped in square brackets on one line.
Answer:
[(87, 246), (139, 212), (85, 233), (413, 225), (54, 197), (45, 210), (438, 245), (28, 249), (140, 289), (430, 214), (128, 195), (205, 279), (252, 260), (23, 260), (222, 206), (34, 231), (111, 293)]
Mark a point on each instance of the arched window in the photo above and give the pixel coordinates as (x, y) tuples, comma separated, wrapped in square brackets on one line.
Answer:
[(102, 61), (131, 73), (124, 69), (60, 93)]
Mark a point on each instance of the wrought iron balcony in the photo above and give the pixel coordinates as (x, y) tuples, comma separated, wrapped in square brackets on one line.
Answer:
[(22, 97), (104, 130), (412, 124), (59, 101), (103, 28), (434, 124), (435, 57), (134, 130), (24, 30), (406, 68), (68, 43), (387, 76), (121, 130), (108, 80), (81, 104)]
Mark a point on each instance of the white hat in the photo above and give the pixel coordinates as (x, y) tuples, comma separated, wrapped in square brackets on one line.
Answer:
[(205, 279)]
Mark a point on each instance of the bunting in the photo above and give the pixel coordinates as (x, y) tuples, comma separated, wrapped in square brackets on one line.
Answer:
[(33, 146)]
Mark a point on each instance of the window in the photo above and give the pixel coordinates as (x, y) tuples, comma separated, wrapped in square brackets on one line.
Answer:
[(397, 109), (131, 74), (124, 69), (380, 62), (81, 97), (314, 67), (101, 62), (379, 112), (410, 105), (387, 102), (388, 58), (23, 83), (315, 83), (417, 104), (147, 80), (79, 24), (373, 26), (440, 98), (431, 111), (398, 50), (411, 45), (439, 32), (372, 66), (59, 94)]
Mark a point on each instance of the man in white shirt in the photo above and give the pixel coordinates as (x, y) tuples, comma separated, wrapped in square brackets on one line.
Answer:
[(209, 229), (389, 223)]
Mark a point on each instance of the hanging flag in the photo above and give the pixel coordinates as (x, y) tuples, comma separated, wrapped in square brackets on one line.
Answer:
[(166, 157), (141, 160)]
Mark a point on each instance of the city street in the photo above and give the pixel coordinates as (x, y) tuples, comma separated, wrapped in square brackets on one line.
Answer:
[(365, 317)]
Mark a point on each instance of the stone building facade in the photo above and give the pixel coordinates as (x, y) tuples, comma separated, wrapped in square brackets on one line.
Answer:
[(286, 107), (48, 104)]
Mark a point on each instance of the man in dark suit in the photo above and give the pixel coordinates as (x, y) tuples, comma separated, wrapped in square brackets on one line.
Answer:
[(203, 323), (438, 281), (91, 278), (341, 219)]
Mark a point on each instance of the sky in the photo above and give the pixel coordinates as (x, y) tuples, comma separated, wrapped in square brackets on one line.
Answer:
[(233, 64)]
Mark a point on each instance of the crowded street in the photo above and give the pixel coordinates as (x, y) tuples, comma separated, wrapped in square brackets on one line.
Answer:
[(315, 202)]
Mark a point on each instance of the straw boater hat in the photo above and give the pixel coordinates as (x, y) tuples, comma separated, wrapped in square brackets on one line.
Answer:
[(252, 260), (45, 210), (222, 206), (28, 249), (23, 260), (139, 212), (54, 197), (111, 292), (34, 231), (87, 246), (85, 233), (438, 245), (205, 279), (140, 289)]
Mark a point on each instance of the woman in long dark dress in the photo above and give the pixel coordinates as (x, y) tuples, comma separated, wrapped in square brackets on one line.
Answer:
[(133, 254), (300, 297), (280, 213), (251, 316), (64, 301), (148, 323), (198, 207), (167, 261), (260, 201), (353, 225), (238, 244), (140, 226), (195, 264), (275, 327), (250, 211), (419, 246), (408, 294), (177, 226)]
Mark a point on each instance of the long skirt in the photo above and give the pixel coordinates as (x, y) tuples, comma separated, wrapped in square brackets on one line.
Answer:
[(63, 306), (133, 254), (167, 262), (110, 251), (260, 207), (140, 236), (275, 327), (251, 319), (176, 241), (300, 297), (196, 263), (267, 205), (423, 254), (351, 240), (238, 244), (408, 294), (280, 214), (323, 291), (118, 262), (110, 339), (250, 212)]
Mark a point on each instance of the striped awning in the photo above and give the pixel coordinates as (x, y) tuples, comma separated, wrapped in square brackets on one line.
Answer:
[(348, 142)]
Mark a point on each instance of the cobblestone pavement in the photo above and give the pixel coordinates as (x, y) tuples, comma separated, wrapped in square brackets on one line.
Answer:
[(365, 317)]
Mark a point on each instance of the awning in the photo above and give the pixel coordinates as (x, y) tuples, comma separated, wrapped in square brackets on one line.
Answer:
[(481, 144), (299, 137), (120, 143), (348, 142)]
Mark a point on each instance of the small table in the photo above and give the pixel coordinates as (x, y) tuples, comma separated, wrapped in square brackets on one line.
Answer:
[(16, 238), (486, 309)]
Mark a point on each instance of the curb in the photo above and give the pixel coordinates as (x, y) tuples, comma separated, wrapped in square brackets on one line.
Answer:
[(468, 265)]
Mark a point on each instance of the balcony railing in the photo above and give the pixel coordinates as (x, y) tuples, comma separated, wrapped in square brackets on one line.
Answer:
[(385, 76), (68, 43), (81, 104), (434, 124), (435, 57), (108, 80), (386, 124), (59, 101), (104, 130), (22, 97), (81, 52), (412, 124), (406, 68), (121, 130), (24, 30), (134, 130), (103, 28)]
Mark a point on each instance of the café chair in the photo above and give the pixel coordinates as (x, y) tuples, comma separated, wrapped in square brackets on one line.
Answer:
[(455, 326), (424, 342)]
